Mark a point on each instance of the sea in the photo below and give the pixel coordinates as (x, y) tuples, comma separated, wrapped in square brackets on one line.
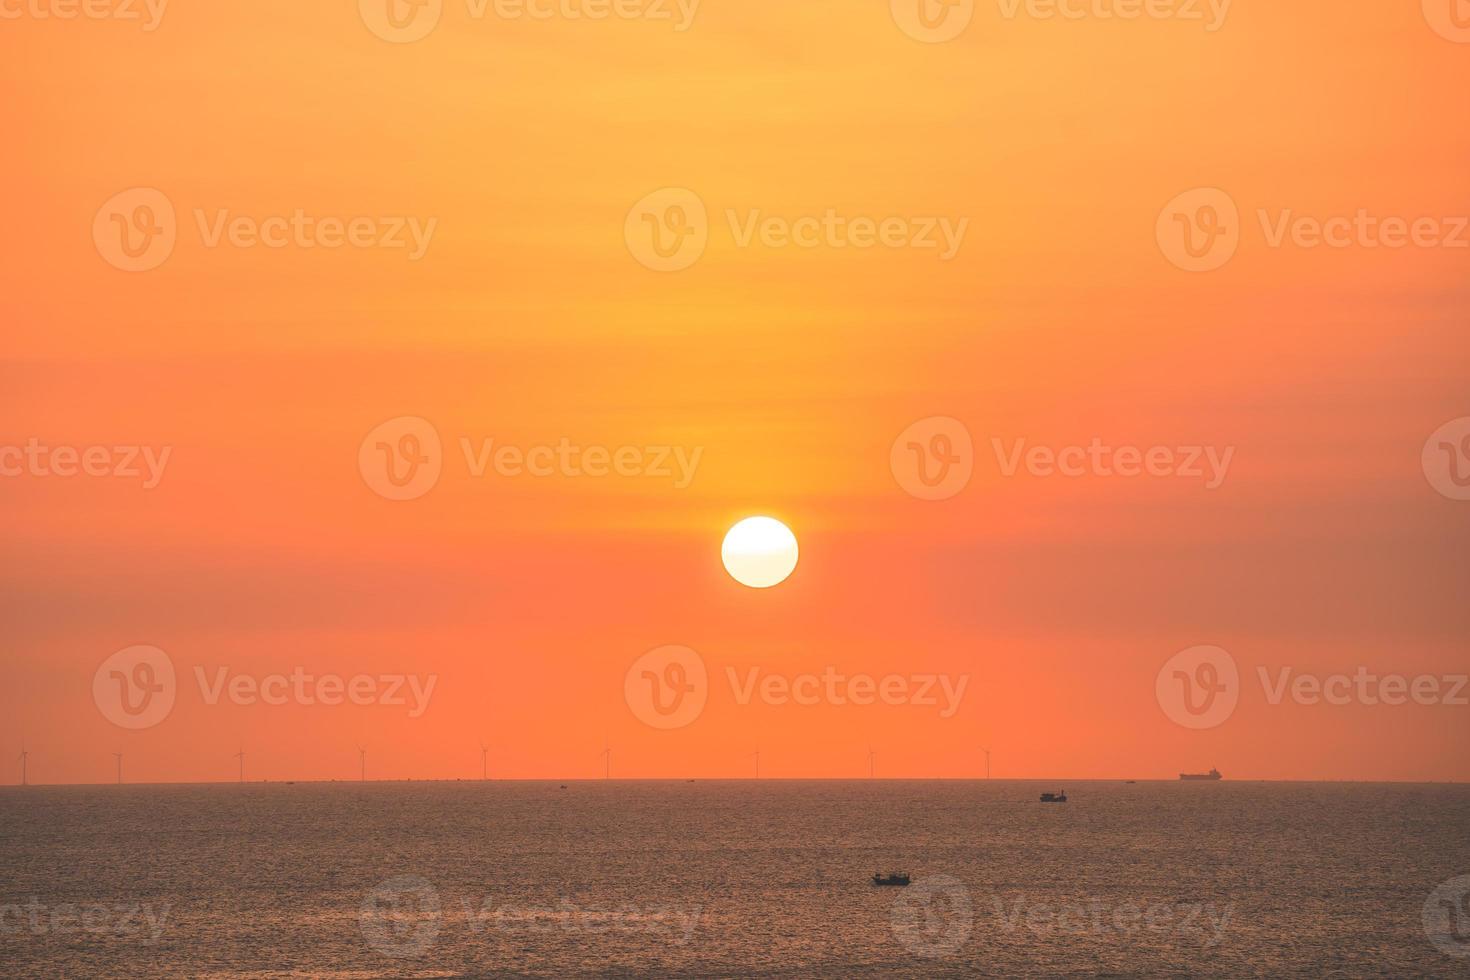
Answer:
[(770, 878)]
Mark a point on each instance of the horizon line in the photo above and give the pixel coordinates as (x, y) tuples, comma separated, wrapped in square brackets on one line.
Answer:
[(749, 779)]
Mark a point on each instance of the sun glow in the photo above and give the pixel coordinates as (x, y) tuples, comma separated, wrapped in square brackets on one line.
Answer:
[(759, 552)]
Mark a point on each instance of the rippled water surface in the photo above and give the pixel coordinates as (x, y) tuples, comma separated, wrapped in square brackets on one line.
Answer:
[(730, 878)]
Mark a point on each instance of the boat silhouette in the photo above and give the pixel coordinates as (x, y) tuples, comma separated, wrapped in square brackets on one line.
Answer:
[(1210, 776), (896, 878), (1054, 797)]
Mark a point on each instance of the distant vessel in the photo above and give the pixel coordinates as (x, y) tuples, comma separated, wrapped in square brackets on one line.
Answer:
[(897, 878), (1210, 776), (1054, 797)]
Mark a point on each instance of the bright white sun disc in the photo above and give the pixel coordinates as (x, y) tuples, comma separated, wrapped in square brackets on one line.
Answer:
[(759, 552)]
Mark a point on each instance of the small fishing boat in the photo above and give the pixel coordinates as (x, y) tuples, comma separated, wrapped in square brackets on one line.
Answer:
[(1054, 797), (897, 878)]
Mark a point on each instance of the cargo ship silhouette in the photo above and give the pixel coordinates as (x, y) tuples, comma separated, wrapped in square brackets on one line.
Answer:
[(1210, 776)]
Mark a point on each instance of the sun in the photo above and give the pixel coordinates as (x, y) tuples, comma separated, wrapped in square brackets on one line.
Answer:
[(759, 552)]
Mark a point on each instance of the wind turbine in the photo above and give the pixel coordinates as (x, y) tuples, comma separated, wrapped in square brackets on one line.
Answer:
[(118, 757), (757, 754), (987, 762), (484, 763), (871, 768), (241, 756), (606, 753), (24, 755), (362, 760)]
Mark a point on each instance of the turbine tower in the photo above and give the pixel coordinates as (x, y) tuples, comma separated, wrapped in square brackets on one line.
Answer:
[(24, 756), (607, 764), (241, 756), (362, 762), (757, 762), (118, 757), (871, 768), (987, 762), (484, 763)]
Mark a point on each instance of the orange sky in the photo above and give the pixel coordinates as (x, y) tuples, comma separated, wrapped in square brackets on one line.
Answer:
[(529, 320)]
